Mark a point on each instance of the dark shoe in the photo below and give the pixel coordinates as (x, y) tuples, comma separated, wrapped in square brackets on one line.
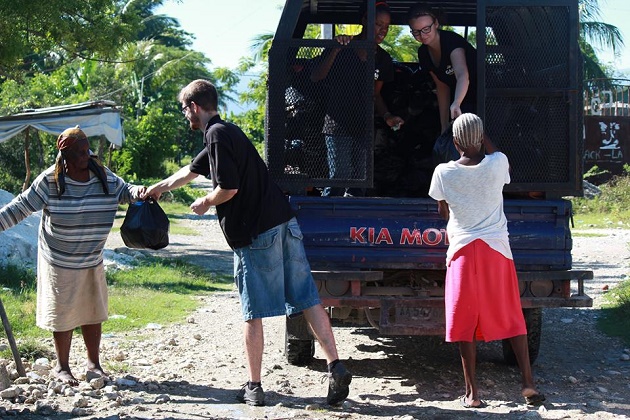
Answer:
[(338, 384), (254, 396)]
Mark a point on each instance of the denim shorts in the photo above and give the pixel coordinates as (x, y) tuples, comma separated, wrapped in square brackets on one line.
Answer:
[(273, 275)]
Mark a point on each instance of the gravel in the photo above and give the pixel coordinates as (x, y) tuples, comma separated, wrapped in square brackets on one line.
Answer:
[(193, 369)]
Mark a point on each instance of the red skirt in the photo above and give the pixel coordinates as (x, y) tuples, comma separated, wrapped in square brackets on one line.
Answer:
[(482, 299)]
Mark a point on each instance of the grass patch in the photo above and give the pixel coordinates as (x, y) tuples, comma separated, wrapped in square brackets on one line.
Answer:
[(19, 295), (30, 349), (609, 209), (176, 228), (615, 319), (162, 292), (176, 209), (587, 235)]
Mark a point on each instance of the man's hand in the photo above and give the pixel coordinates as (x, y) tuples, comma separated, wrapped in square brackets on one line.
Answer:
[(200, 206), (153, 191)]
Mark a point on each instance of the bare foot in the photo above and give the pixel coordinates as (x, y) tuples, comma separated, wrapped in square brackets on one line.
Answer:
[(470, 402), (96, 371), (532, 396), (66, 377)]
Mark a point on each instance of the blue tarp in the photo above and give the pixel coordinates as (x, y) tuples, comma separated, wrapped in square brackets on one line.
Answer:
[(94, 118)]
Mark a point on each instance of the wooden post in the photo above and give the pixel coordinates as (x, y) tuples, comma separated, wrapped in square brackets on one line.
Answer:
[(27, 160), (102, 144), (7, 329)]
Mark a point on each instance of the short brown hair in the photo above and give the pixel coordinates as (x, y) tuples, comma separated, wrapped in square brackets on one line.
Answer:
[(202, 92), (423, 9)]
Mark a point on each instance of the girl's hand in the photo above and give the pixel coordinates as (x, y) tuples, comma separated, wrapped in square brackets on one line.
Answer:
[(344, 39), (455, 111)]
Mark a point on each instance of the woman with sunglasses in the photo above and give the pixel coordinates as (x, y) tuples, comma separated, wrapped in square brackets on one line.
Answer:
[(449, 59)]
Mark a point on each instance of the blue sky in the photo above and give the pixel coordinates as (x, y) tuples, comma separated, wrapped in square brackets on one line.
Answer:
[(224, 29), (617, 12)]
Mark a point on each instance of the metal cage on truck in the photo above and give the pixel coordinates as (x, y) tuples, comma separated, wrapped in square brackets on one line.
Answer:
[(379, 259)]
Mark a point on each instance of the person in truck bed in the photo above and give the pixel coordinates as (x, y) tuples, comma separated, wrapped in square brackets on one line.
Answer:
[(344, 133), (482, 298), (449, 59)]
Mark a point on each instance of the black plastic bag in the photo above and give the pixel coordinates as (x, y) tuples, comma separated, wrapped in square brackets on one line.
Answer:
[(444, 149), (145, 226)]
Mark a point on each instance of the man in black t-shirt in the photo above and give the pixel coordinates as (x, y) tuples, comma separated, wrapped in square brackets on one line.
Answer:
[(270, 266)]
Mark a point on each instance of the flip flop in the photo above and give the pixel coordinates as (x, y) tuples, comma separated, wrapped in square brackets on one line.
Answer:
[(536, 399), (464, 404)]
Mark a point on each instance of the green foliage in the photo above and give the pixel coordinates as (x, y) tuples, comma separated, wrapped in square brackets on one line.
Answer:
[(614, 198), (148, 143), (611, 207), (17, 280), (30, 31), (400, 45), (593, 34), (30, 349), (615, 319), (19, 299)]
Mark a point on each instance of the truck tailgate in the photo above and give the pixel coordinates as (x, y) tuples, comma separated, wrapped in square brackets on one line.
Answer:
[(402, 233)]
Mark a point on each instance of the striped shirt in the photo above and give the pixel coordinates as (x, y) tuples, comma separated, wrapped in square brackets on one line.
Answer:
[(75, 226)]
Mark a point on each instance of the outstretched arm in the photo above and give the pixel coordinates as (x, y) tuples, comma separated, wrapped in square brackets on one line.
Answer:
[(381, 108), (178, 179), (443, 93), (458, 58)]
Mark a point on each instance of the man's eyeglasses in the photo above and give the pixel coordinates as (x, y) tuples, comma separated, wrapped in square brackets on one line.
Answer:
[(184, 108), (425, 30)]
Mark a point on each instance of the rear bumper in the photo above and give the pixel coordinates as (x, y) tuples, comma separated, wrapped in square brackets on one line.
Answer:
[(407, 311)]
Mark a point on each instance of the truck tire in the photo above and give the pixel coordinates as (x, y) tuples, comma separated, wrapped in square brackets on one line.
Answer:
[(299, 346), (533, 320), (299, 352)]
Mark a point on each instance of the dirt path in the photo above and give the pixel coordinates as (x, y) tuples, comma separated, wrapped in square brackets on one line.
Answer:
[(192, 370)]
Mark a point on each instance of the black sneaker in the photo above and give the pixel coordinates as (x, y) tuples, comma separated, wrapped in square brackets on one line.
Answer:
[(338, 384), (254, 396)]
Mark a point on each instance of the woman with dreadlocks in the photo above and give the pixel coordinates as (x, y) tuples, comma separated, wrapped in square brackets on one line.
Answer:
[(78, 197)]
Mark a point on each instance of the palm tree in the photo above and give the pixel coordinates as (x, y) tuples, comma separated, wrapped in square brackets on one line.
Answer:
[(594, 33)]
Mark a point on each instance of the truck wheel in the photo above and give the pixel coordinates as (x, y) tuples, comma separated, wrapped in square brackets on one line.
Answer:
[(299, 352), (533, 320), (299, 346)]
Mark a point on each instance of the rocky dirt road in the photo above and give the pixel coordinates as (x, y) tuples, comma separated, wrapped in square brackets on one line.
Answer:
[(192, 370)]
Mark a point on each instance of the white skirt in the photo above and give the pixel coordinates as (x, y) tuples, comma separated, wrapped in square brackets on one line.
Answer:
[(67, 299)]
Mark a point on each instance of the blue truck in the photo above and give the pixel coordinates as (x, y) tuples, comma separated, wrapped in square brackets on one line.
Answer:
[(379, 259)]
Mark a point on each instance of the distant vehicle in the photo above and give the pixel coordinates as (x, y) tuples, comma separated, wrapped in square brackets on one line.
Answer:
[(379, 260)]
